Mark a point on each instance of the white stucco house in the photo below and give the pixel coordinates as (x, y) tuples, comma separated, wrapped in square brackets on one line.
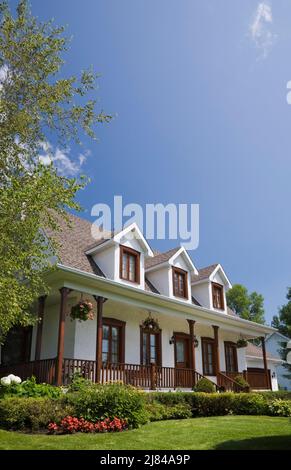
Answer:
[(159, 321), (275, 342)]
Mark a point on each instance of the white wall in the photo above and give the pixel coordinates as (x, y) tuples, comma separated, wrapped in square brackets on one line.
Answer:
[(50, 334), (273, 346), (105, 259), (161, 279), (108, 260), (201, 292)]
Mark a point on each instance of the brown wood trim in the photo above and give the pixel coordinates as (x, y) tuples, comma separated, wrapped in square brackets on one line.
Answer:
[(216, 348), (191, 324), (158, 344), (221, 287), (233, 345), (185, 274), (179, 334), (131, 251), (205, 339), (266, 363), (61, 335), (40, 313), (120, 324)]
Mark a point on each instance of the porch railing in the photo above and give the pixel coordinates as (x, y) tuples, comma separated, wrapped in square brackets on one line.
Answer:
[(43, 370), (143, 376), (228, 384)]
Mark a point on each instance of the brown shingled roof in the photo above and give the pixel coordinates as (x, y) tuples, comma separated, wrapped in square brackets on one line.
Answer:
[(256, 351), (160, 258), (73, 241), (204, 273)]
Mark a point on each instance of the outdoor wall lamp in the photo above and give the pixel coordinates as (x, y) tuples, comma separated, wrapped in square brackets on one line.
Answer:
[(196, 342), (273, 375), (172, 340)]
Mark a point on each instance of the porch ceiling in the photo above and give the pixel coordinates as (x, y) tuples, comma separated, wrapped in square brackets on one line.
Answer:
[(94, 285)]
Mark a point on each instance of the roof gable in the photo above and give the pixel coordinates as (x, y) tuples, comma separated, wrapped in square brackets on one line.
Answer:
[(183, 253), (133, 231), (208, 274)]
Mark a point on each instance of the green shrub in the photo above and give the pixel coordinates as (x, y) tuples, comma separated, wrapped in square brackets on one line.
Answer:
[(78, 383), (158, 412), (32, 413), (29, 388), (204, 385), (242, 382), (170, 398), (98, 402), (279, 408), (214, 404), (280, 394)]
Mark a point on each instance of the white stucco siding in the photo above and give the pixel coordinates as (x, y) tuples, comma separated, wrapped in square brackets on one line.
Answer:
[(273, 346), (161, 279), (201, 293), (105, 259), (217, 278), (50, 334)]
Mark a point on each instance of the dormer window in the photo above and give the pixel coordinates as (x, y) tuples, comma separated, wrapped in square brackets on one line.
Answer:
[(129, 264), (217, 296), (180, 288)]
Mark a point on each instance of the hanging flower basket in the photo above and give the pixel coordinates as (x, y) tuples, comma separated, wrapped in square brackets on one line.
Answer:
[(82, 311), (151, 324), (241, 343)]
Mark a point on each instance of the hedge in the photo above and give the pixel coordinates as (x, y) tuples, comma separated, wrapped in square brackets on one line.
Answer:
[(218, 404), (95, 403), (32, 413)]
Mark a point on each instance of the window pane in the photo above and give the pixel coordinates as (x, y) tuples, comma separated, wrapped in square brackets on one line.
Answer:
[(180, 351), (132, 276), (124, 265), (144, 348), (105, 332)]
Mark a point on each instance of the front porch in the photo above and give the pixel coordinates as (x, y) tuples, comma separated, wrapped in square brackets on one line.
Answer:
[(183, 351), (149, 377)]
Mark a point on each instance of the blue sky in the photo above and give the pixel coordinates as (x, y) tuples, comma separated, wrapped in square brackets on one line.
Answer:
[(199, 92)]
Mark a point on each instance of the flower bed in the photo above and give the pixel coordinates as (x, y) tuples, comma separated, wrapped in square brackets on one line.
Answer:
[(71, 425)]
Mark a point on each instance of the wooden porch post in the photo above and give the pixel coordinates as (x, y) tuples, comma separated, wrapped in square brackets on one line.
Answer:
[(192, 346), (268, 382), (40, 313), (61, 337), (216, 349), (100, 301)]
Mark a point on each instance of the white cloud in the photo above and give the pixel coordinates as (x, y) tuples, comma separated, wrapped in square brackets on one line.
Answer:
[(62, 159), (260, 29)]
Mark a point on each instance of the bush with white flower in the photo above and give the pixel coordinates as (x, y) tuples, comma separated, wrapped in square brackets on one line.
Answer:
[(10, 380)]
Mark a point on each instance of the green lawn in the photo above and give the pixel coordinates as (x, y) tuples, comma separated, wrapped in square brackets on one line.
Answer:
[(224, 432)]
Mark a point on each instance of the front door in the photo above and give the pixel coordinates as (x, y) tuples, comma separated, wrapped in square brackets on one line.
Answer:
[(182, 352), (183, 373)]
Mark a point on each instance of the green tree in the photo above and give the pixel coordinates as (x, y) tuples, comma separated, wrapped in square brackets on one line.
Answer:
[(282, 322), (247, 306), (36, 104)]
